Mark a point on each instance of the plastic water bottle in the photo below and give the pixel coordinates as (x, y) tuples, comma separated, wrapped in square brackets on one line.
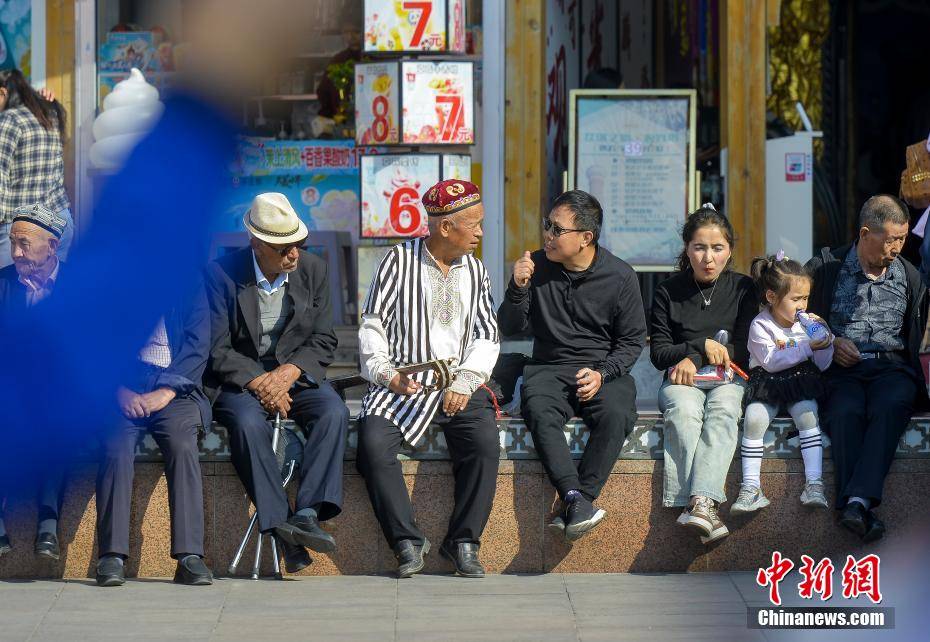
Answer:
[(814, 329)]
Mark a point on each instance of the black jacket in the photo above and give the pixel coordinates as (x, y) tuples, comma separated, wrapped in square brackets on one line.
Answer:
[(825, 270), (307, 340)]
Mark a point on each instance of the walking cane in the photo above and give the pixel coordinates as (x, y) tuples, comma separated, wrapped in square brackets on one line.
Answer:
[(286, 478)]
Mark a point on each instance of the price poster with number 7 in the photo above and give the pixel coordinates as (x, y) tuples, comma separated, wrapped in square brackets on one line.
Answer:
[(438, 103), (391, 188), (414, 25), (376, 104)]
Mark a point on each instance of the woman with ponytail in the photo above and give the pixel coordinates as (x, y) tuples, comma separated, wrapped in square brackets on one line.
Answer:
[(32, 131), (700, 324)]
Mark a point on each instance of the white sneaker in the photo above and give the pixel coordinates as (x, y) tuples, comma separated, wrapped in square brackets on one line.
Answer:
[(718, 529), (750, 499), (699, 516), (813, 495)]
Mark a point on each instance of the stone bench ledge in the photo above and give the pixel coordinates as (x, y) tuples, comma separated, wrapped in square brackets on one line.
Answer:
[(645, 442)]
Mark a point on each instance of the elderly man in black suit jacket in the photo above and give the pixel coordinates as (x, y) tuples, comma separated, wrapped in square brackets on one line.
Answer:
[(164, 396), (272, 340)]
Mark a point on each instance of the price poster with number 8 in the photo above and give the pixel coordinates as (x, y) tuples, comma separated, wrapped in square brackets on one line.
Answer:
[(414, 25), (392, 185), (376, 104), (438, 103)]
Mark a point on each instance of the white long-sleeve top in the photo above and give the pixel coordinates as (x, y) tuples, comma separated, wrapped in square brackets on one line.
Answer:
[(777, 348), (414, 313)]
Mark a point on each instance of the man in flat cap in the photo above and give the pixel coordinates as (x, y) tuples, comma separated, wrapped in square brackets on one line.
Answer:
[(430, 299), (272, 340), (35, 234)]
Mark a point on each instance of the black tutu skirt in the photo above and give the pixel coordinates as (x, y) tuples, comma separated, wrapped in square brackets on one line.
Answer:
[(790, 386)]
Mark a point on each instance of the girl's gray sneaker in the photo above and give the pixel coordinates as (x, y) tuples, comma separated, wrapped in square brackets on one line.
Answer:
[(813, 495), (750, 499)]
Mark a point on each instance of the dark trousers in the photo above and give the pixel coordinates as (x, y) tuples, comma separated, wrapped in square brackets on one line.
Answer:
[(865, 411), (322, 416), (175, 429), (549, 399), (474, 446), (50, 489)]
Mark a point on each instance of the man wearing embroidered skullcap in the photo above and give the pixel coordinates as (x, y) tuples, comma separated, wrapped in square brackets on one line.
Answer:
[(584, 309), (272, 341), (35, 234), (431, 299)]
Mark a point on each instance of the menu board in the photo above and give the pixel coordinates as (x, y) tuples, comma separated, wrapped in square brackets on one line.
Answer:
[(376, 104), (634, 151), (391, 188), (456, 166), (438, 101), (414, 25)]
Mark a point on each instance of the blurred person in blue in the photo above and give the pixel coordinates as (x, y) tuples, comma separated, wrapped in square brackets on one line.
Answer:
[(272, 340), (34, 236), (147, 235), (163, 396), (32, 169)]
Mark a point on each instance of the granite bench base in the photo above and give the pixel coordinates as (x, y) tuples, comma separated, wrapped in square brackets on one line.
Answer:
[(638, 534)]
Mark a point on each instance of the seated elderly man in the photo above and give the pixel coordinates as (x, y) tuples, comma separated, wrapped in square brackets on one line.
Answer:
[(430, 299), (875, 303), (164, 396), (35, 234), (272, 339)]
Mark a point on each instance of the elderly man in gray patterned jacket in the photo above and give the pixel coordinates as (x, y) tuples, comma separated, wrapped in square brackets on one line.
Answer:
[(430, 299), (875, 304)]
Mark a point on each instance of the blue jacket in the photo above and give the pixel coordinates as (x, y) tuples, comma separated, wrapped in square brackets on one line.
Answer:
[(188, 329)]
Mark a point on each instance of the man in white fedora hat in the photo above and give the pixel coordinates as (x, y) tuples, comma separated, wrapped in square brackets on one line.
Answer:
[(272, 340)]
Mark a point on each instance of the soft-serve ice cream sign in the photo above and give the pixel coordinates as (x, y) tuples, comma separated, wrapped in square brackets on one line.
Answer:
[(129, 113)]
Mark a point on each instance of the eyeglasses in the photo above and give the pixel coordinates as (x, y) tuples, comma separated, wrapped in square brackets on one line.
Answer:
[(557, 230), (284, 251)]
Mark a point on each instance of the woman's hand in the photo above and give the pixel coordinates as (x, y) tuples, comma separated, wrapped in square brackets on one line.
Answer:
[(717, 353), (683, 373)]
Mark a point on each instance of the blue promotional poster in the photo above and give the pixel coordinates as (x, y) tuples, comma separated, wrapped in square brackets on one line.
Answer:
[(15, 35), (319, 178)]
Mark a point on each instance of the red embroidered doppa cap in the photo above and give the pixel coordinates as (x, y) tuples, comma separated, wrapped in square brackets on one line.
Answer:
[(448, 197)]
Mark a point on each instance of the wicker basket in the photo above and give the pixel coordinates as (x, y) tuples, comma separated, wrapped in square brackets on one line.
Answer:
[(915, 180)]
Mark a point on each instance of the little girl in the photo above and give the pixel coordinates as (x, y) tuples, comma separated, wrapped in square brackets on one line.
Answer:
[(785, 366)]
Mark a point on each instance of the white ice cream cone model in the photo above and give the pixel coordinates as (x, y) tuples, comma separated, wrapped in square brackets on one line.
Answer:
[(129, 113)]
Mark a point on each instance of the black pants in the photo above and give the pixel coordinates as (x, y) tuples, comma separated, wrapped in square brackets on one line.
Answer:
[(324, 419), (174, 428), (865, 411), (549, 400), (50, 490), (474, 446)]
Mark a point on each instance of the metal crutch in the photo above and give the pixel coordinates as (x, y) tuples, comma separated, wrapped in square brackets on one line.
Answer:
[(291, 465)]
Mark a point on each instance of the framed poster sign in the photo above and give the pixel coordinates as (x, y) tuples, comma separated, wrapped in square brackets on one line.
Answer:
[(634, 151), (400, 26), (438, 103), (377, 100), (391, 188)]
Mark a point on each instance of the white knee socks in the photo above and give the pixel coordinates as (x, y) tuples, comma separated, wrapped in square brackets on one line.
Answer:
[(751, 456), (812, 453)]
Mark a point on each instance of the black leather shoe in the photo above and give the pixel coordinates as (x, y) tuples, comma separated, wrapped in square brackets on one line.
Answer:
[(47, 545), (305, 531), (874, 528), (853, 518), (110, 571), (296, 558), (193, 572), (411, 558), (5, 545), (465, 558)]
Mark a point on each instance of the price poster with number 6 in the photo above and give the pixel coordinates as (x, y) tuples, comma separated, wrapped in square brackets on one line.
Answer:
[(376, 104), (414, 25), (438, 103), (392, 185)]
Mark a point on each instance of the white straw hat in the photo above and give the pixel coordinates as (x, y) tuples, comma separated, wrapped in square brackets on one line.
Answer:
[(271, 218)]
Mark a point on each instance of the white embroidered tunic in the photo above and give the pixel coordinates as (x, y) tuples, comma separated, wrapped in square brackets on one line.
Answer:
[(414, 313)]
